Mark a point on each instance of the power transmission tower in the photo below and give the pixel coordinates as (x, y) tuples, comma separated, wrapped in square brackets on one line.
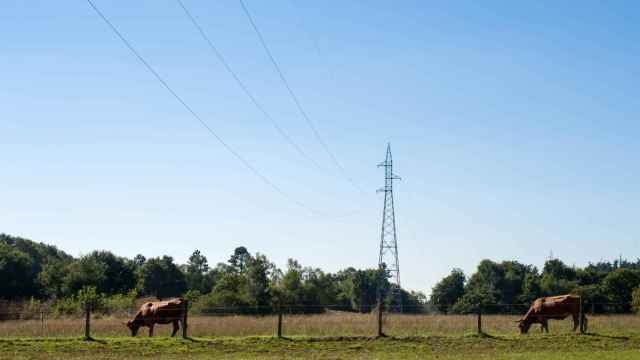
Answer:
[(388, 239)]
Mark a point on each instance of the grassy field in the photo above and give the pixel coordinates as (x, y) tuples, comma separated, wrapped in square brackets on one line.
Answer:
[(551, 347), (328, 336), (333, 324)]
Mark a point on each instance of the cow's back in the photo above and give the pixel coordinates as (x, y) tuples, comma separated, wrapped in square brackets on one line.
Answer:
[(557, 305), (161, 311), (167, 311)]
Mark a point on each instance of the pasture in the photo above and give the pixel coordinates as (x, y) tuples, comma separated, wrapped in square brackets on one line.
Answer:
[(325, 336), (548, 347), (318, 325)]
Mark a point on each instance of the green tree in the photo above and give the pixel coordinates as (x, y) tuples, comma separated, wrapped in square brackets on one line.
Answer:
[(557, 278), (413, 302), (366, 284), (592, 296), (619, 285), (635, 300), (139, 260), (531, 289), (512, 284), (589, 276), (16, 272), (292, 283), (37, 255), (161, 278), (258, 269), (86, 271), (51, 279), (196, 270), (474, 299), (448, 290), (238, 260), (231, 291), (558, 270), (119, 275), (88, 297)]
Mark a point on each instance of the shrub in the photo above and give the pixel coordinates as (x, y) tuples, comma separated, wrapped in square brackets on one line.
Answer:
[(635, 299), (66, 306), (120, 303)]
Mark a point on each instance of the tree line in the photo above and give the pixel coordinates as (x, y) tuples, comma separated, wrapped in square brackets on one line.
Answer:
[(246, 282), (251, 283), (603, 286)]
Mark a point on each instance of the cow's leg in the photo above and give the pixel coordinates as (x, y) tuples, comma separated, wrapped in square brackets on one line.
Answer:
[(545, 325), (576, 322), (151, 330), (176, 327)]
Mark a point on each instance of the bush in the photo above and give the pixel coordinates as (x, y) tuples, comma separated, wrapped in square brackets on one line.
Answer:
[(66, 307), (473, 301), (88, 297), (635, 300), (120, 304)]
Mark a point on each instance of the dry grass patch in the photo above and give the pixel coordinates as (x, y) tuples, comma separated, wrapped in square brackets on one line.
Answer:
[(319, 325)]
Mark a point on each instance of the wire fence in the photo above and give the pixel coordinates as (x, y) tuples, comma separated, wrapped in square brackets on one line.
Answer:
[(324, 320)]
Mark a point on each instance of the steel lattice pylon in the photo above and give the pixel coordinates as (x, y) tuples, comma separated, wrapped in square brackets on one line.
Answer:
[(388, 239)]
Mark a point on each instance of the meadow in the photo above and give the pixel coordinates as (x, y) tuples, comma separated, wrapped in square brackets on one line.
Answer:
[(548, 347), (318, 325), (326, 336)]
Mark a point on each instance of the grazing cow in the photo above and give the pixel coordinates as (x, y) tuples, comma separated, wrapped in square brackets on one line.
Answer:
[(553, 307), (159, 312)]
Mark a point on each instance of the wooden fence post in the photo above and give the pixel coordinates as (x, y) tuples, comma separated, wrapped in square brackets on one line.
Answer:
[(479, 319), (581, 318), (380, 332), (279, 320), (42, 322), (87, 321), (185, 311)]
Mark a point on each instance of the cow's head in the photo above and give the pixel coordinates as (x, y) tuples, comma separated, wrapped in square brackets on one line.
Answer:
[(524, 326), (133, 326)]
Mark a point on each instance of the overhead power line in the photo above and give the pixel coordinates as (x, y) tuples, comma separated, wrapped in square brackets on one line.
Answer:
[(295, 98), (244, 88), (233, 152), (314, 40)]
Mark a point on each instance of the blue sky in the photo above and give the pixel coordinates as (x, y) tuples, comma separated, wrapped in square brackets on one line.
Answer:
[(513, 125)]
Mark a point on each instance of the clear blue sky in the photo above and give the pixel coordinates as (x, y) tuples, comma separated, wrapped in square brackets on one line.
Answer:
[(514, 126)]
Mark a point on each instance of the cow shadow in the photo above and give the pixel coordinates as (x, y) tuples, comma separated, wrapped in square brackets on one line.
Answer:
[(606, 336), (484, 335), (190, 339), (92, 339)]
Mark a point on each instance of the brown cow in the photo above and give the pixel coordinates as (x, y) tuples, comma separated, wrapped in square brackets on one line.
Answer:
[(553, 307), (159, 312)]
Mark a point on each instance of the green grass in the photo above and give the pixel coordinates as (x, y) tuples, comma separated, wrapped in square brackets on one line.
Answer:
[(568, 346)]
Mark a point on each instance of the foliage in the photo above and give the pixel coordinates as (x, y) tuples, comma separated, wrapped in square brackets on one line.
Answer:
[(88, 297), (196, 271), (619, 284), (635, 300), (120, 303), (86, 271), (474, 300), (251, 283), (22, 262), (16, 273), (413, 302), (161, 277), (66, 306), (447, 292), (119, 275)]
